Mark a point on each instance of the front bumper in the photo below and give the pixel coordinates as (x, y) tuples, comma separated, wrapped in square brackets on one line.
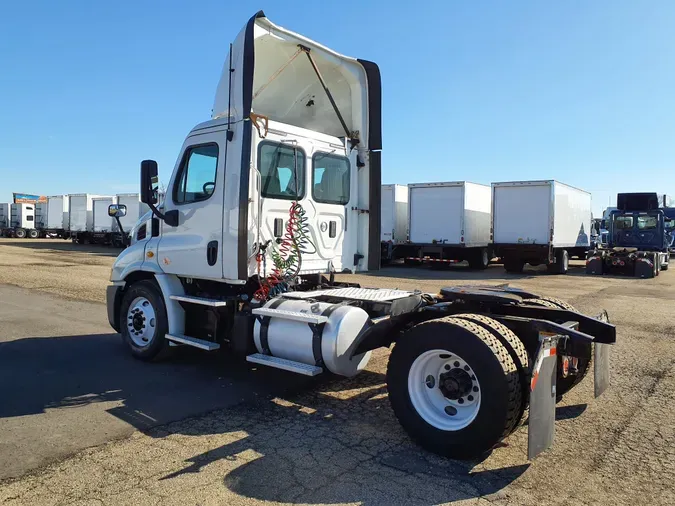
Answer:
[(112, 296)]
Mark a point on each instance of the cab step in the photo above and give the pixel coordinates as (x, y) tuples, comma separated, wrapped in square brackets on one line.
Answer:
[(199, 300), (291, 315), (193, 341), (286, 365)]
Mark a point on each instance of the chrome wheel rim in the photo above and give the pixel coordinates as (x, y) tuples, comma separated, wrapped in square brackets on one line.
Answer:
[(141, 322), (444, 390)]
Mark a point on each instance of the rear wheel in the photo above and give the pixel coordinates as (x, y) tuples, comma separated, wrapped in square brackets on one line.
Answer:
[(565, 384), (20, 233), (454, 387), (562, 263), (514, 265), (33, 234), (143, 321), (480, 259)]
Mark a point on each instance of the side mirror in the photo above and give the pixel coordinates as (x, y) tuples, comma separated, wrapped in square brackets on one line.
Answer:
[(117, 210), (149, 182)]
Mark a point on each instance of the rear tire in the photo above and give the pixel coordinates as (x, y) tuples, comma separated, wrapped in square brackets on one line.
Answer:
[(143, 321), (33, 234), (20, 233), (564, 385), (562, 263), (516, 349), (480, 259), (418, 368), (513, 265)]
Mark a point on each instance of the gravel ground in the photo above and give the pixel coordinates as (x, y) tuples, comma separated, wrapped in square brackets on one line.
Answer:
[(339, 443)]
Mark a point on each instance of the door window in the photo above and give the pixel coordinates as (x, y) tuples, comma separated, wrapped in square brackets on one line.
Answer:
[(330, 179), (647, 222), (623, 222), (197, 178), (282, 170)]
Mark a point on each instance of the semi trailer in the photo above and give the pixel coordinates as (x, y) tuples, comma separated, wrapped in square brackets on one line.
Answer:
[(639, 240), (540, 223), (80, 226), (278, 192), (52, 215)]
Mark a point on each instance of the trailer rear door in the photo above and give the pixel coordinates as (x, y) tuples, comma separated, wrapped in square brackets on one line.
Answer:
[(522, 212)]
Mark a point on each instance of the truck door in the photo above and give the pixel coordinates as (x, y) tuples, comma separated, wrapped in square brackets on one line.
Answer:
[(307, 171), (330, 197), (194, 247)]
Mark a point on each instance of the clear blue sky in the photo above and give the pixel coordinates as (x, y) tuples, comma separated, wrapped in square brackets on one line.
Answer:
[(582, 92)]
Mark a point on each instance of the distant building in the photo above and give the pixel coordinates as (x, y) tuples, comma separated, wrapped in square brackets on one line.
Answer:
[(25, 198)]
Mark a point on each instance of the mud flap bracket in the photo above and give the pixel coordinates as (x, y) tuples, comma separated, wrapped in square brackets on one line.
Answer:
[(541, 426)]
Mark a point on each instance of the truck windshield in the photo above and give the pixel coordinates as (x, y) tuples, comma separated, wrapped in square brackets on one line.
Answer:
[(623, 222), (282, 169), (647, 222), (669, 224)]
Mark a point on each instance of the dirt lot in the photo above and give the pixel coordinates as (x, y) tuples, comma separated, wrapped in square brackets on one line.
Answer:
[(338, 442)]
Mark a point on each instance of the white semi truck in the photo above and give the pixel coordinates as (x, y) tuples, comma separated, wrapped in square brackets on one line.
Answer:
[(278, 192), (22, 221), (540, 223)]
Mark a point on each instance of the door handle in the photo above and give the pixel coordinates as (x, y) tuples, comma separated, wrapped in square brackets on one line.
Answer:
[(332, 229), (212, 252)]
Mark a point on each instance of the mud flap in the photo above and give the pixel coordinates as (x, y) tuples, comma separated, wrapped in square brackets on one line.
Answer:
[(601, 362), (541, 426), (594, 265)]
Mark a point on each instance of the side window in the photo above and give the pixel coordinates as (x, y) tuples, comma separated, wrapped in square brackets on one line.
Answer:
[(197, 179), (29, 218), (142, 232), (647, 222), (623, 222), (330, 179), (282, 170)]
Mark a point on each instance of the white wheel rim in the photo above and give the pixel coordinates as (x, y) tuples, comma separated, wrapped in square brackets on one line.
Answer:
[(141, 321), (486, 260), (566, 261), (424, 387)]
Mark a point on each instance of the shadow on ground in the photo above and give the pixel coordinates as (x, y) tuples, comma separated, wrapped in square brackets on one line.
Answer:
[(325, 440), (56, 245)]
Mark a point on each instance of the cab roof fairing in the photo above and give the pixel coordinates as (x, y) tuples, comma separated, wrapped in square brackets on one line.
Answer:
[(272, 77)]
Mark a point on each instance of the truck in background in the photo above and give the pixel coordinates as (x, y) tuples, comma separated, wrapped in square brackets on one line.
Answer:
[(246, 250), (394, 219), (448, 222), (22, 221), (81, 217), (640, 238), (51, 216), (540, 222)]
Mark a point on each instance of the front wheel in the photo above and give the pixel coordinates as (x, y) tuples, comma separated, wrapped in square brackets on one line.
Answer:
[(143, 321), (454, 387)]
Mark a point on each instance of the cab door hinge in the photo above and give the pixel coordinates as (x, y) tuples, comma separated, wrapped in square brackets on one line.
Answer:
[(363, 211)]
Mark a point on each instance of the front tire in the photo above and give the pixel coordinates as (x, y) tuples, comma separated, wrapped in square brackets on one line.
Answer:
[(143, 321), (454, 387)]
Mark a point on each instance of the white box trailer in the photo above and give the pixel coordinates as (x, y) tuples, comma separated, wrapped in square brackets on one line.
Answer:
[(393, 219), (135, 210), (449, 222), (22, 221), (81, 216), (51, 215), (540, 222), (102, 222)]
